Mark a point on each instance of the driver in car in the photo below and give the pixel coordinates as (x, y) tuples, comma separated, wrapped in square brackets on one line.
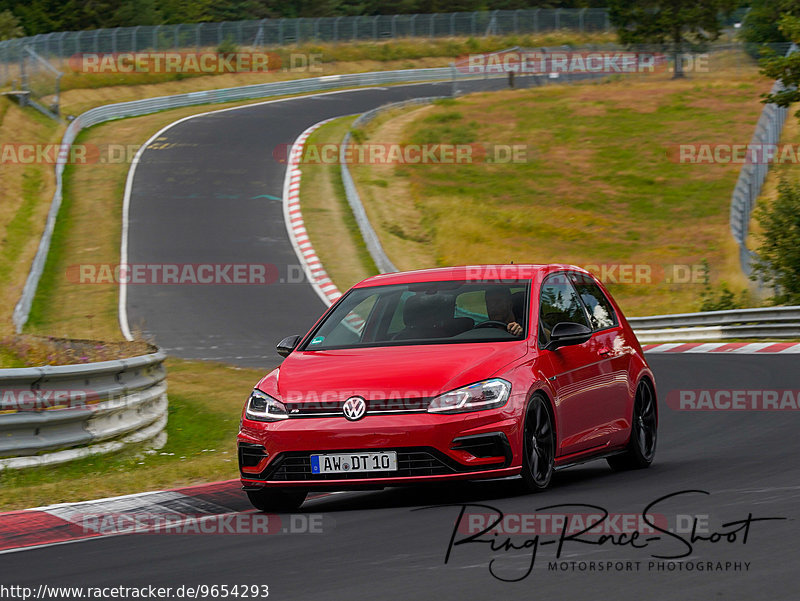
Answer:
[(499, 307)]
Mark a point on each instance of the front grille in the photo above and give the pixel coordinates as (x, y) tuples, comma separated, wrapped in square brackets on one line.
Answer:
[(374, 407), (410, 463)]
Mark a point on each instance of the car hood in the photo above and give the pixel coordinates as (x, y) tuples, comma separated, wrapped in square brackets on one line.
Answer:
[(414, 371)]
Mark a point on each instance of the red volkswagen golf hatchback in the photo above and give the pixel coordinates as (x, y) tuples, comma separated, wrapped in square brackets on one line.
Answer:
[(446, 374)]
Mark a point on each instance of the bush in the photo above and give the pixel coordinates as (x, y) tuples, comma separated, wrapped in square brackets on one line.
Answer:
[(778, 262), (228, 46), (722, 298)]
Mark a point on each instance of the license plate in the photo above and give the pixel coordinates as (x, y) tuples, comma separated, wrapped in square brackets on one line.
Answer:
[(354, 462)]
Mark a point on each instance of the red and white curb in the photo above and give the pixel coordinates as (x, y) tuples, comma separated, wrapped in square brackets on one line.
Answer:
[(724, 347), (66, 522), (293, 216), (214, 508), (312, 266)]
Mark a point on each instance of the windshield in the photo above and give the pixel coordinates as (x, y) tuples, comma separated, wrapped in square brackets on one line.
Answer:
[(425, 313)]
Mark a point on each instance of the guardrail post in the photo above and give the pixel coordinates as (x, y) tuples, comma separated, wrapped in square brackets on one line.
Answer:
[(491, 28), (61, 46)]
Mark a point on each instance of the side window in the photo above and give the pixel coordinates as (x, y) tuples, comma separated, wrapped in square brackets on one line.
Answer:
[(559, 302), (601, 313)]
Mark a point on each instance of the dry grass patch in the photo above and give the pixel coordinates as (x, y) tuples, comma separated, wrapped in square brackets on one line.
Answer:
[(388, 199)]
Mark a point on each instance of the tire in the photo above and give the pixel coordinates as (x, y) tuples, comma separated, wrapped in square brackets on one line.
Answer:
[(277, 499), (538, 446), (641, 449)]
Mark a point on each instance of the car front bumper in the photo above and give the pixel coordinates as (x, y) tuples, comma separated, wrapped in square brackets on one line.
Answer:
[(429, 448)]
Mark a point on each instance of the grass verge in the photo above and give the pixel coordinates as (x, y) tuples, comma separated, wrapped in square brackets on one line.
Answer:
[(24, 191)]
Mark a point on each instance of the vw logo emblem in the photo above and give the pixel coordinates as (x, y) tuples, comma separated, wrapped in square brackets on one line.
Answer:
[(354, 408)]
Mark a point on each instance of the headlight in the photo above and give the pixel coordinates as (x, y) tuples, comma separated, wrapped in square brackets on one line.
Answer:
[(481, 395), (263, 408)]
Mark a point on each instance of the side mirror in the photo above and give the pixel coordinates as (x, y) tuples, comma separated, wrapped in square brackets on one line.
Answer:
[(287, 345), (566, 333)]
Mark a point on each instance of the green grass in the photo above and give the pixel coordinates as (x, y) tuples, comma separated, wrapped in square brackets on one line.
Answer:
[(19, 229), (55, 265)]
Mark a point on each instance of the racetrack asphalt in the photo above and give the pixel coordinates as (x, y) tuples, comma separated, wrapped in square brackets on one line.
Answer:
[(377, 545)]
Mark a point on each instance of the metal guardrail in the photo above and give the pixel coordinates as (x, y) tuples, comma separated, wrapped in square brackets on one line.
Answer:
[(759, 323), (151, 105), (752, 176), (54, 414)]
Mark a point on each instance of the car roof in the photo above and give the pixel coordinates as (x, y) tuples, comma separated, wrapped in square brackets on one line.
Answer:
[(477, 273)]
